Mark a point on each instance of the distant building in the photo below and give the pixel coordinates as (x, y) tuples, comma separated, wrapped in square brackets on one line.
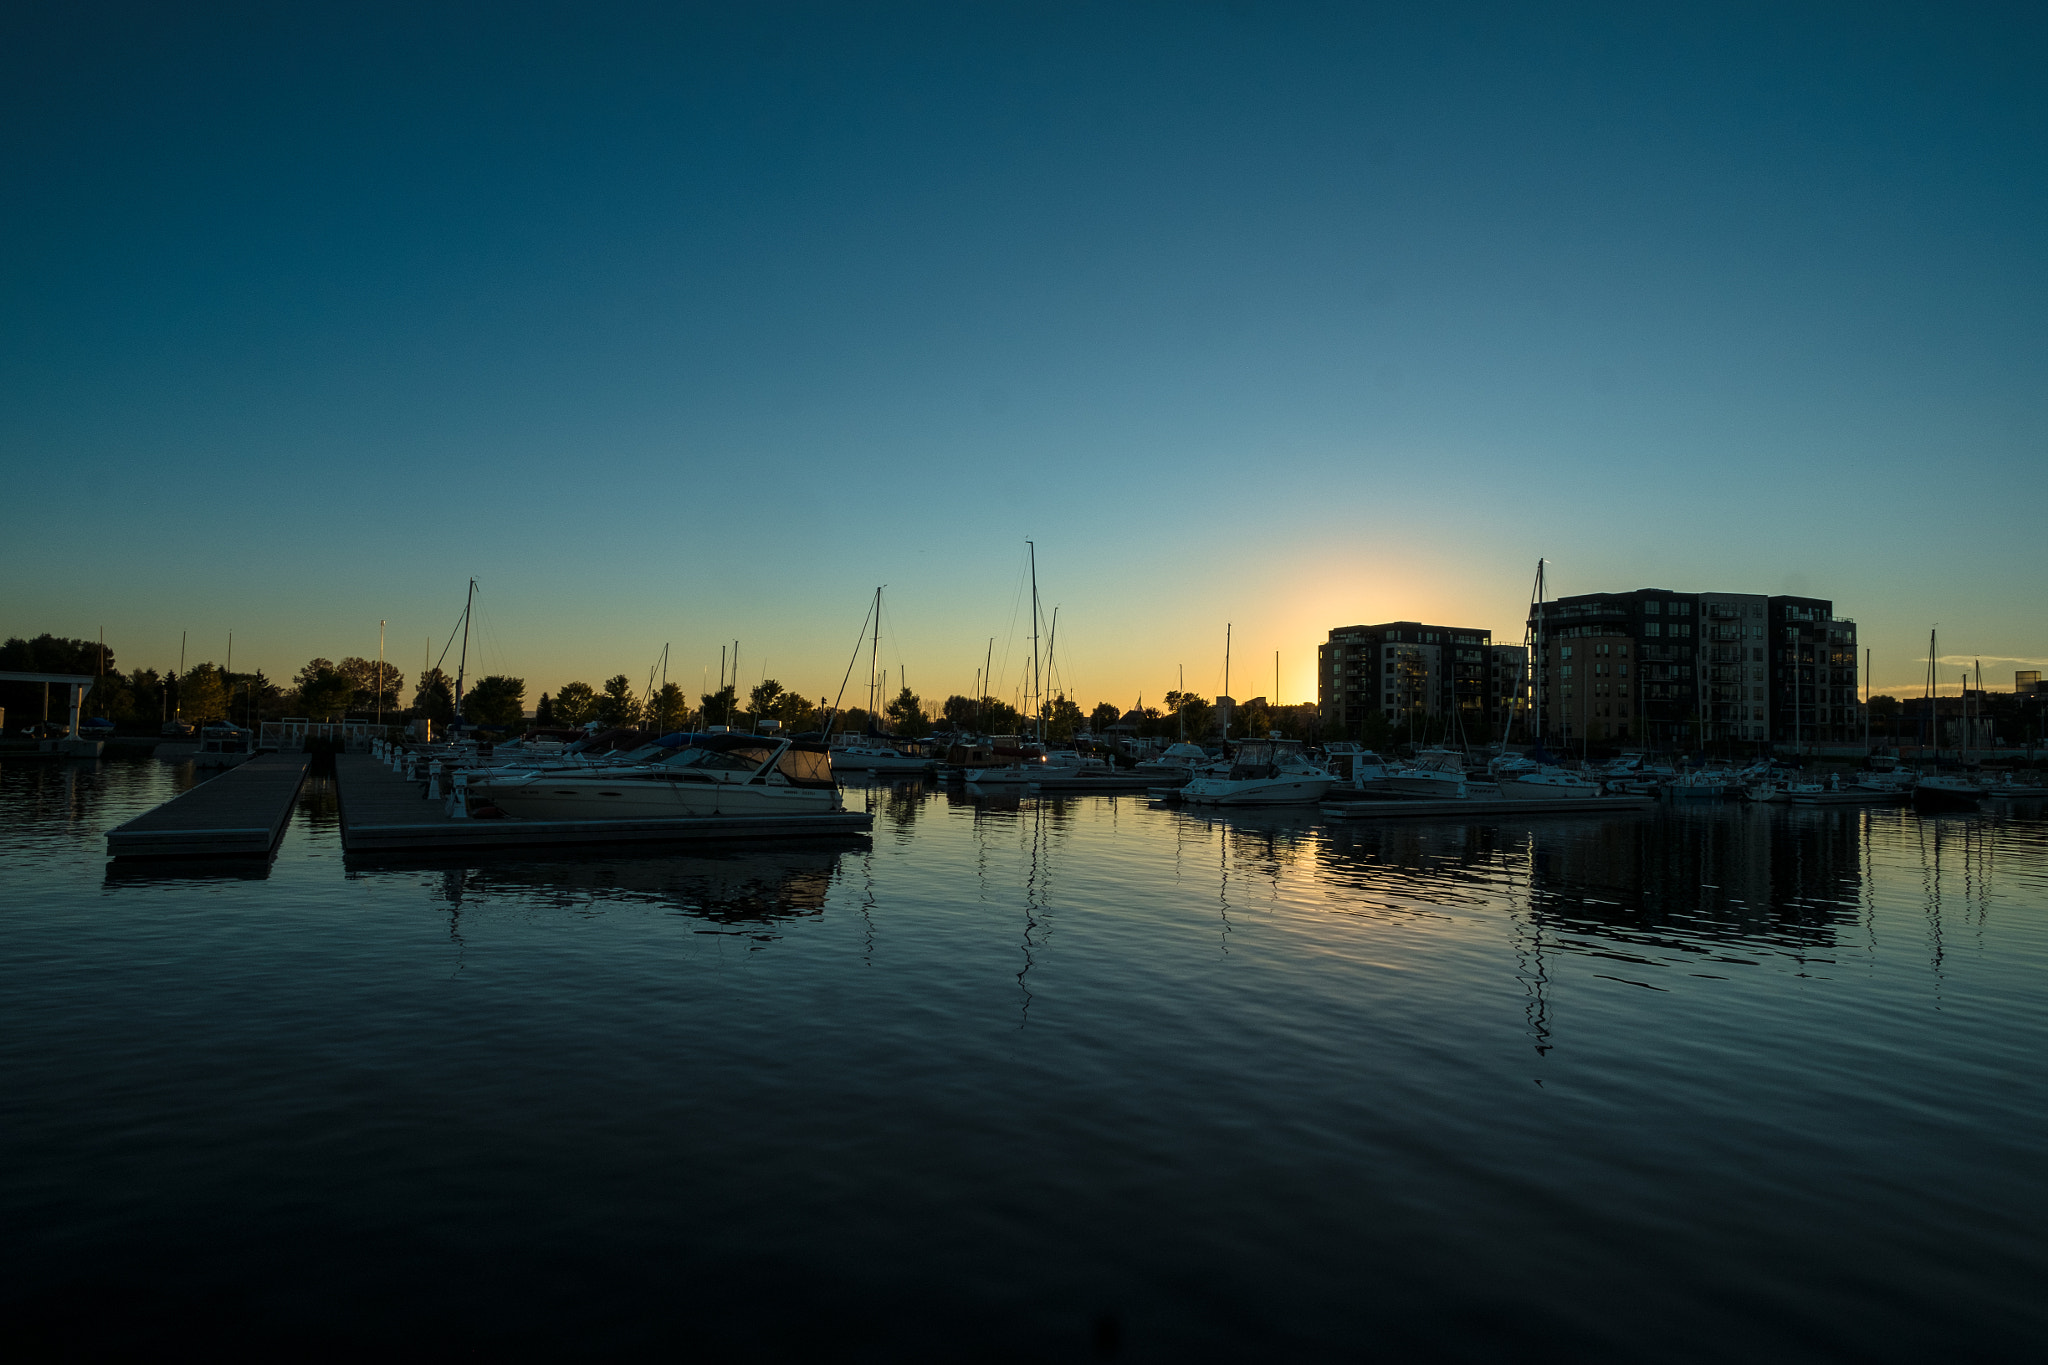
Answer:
[(2026, 680), (1409, 671), (1671, 669)]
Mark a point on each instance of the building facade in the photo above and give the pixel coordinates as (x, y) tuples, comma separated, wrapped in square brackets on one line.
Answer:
[(1434, 679), (1673, 669)]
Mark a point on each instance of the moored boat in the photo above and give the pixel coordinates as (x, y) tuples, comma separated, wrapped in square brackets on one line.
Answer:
[(711, 775), (1545, 784), (1434, 773), (1263, 772), (1946, 791)]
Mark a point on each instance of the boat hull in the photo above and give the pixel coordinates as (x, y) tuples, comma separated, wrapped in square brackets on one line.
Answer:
[(880, 763), (1412, 786), (1523, 789), (1929, 795), (1261, 791)]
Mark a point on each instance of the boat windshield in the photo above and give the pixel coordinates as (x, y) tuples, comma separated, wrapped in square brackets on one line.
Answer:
[(742, 758)]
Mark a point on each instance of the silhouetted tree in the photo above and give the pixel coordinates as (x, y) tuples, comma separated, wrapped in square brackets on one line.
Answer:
[(496, 700), (618, 706), (434, 699), (906, 713), (575, 703), (669, 710), (1062, 717), (721, 707)]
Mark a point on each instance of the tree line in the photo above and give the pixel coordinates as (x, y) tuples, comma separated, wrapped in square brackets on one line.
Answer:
[(354, 687)]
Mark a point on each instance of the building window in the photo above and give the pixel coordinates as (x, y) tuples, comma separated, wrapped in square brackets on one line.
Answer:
[(1652, 629), (1652, 608)]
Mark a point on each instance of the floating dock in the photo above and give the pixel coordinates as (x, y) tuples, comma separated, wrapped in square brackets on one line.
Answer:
[(1451, 808), (383, 812), (241, 813)]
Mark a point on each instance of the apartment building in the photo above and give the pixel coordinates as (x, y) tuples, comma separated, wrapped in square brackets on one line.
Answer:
[(1671, 669), (1410, 672)]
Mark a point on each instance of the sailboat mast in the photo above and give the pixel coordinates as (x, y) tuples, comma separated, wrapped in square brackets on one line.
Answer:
[(1933, 690), (1037, 687), (874, 652), (1051, 643), (987, 686), (1541, 659), (462, 663)]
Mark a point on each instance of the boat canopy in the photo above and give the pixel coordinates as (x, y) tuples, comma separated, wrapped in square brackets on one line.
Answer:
[(801, 763)]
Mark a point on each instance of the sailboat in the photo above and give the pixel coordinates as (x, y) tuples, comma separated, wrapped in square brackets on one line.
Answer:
[(1938, 790), (1020, 773), (875, 753)]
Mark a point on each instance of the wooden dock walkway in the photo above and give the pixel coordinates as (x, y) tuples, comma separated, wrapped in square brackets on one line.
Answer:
[(383, 812), (241, 813), (1446, 808)]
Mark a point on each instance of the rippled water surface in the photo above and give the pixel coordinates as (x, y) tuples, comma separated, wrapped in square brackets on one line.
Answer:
[(1035, 1080)]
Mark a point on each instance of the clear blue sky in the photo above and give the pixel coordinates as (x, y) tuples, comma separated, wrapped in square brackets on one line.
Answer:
[(687, 325)]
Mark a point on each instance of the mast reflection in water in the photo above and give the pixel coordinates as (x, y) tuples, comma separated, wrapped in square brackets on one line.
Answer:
[(1035, 1079)]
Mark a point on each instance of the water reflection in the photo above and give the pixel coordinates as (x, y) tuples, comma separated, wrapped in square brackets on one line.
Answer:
[(749, 892)]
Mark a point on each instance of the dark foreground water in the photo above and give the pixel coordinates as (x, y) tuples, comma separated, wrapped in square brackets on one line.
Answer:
[(1035, 1080)]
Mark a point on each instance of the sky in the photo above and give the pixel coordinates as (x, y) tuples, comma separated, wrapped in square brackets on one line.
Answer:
[(676, 326)]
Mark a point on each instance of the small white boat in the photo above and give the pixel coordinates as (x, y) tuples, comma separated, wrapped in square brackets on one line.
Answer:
[(1263, 772), (1009, 775), (1434, 773), (1699, 785), (1545, 784), (1176, 764), (223, 744), (879, 758)]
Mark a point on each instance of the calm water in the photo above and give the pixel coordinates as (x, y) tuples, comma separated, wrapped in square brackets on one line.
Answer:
[(1024, 1080)]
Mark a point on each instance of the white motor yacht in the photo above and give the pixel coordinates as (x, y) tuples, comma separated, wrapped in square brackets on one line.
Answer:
[(876, 757), (1545, 784), (1433, 773), (1178, 762), (1014, 775), (708, 775), (1263, 772)]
